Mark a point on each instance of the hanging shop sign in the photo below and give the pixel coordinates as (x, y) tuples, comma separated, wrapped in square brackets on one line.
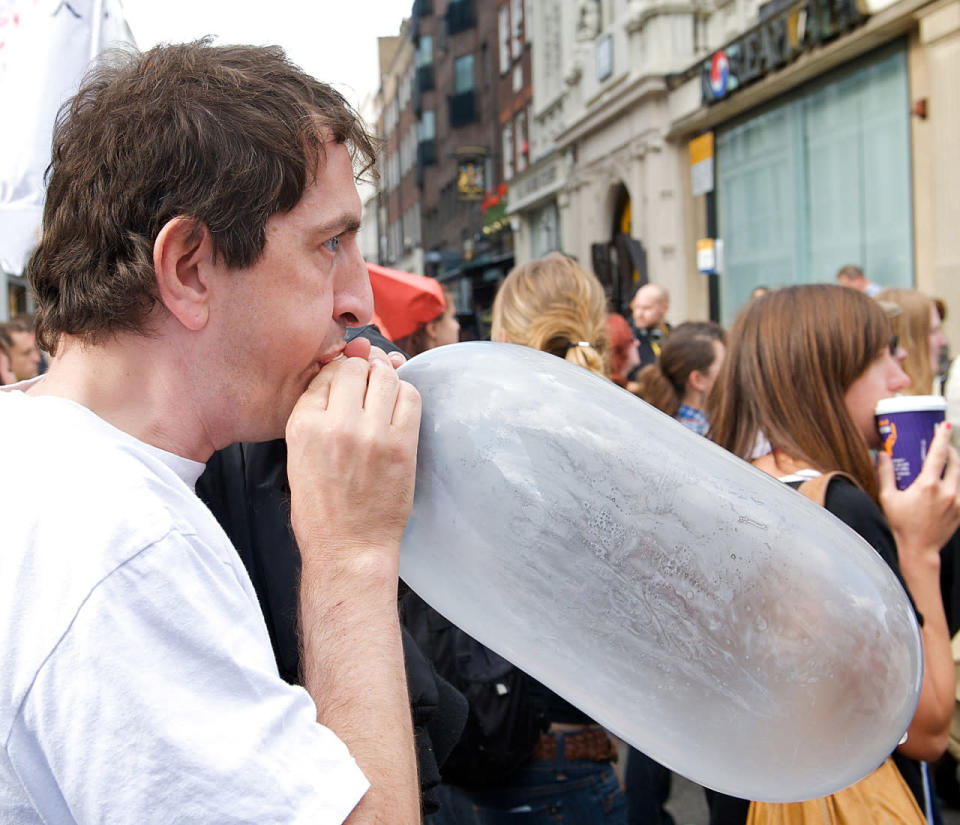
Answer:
[(470, 179), (782, 35)]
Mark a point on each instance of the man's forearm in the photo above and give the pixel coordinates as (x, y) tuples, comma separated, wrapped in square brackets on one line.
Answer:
[(353, 668), (353, 431)]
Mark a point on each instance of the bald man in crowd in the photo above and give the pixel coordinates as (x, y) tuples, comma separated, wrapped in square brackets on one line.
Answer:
[(649, 307)]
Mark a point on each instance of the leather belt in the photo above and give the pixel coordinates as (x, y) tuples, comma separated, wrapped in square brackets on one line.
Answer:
[(591, 744)]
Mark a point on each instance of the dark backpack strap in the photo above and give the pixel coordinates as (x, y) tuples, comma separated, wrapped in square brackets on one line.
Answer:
[(816, 488)]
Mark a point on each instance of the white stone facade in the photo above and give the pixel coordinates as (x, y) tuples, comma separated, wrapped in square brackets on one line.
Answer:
[(600, 120), (617, 98)]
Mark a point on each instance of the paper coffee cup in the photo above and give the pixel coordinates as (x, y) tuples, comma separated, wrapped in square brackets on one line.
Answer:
[(906, 424)]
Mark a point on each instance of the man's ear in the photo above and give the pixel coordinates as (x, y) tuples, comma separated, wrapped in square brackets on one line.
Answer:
[(182, 260)]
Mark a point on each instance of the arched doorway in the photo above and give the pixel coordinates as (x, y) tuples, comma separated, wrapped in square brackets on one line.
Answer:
[(621, 262)]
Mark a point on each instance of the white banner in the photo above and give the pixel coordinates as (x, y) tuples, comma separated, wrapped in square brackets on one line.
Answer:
[(45, 48)]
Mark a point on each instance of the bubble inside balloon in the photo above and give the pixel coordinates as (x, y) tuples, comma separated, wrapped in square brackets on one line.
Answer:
[(697, 608)]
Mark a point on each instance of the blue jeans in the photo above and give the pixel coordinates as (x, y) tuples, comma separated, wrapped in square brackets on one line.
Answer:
[(575, 793)]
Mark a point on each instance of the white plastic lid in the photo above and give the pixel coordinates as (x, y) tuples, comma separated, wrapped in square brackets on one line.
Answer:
[(912, 403)]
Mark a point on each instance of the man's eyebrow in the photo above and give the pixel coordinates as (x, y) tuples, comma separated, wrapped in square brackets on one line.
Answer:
[(346, 222)]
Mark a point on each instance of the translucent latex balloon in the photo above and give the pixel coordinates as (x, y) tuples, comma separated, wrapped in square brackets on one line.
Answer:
[(697, 608)]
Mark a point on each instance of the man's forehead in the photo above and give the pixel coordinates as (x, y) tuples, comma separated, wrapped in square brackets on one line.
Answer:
[(331, 200), (648, 299)]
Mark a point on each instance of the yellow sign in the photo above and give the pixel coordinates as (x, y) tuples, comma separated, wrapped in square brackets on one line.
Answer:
[(701, 164), (701, 148)]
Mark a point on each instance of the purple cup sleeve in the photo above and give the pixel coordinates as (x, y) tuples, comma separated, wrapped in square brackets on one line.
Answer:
[(906, 438)]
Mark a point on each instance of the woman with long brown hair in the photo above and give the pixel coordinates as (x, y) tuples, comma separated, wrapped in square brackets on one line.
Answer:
[(796, 396), (682, 378)]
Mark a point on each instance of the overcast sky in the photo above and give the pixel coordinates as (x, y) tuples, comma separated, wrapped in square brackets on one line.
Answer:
[(334, 40)]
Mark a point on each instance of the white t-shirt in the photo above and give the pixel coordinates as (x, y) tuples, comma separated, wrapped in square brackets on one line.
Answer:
[(137, 681)]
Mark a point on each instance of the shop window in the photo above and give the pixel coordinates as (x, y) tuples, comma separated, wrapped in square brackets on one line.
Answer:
[(819, 181)]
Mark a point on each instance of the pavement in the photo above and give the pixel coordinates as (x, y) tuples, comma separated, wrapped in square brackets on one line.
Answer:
[(687, 804)]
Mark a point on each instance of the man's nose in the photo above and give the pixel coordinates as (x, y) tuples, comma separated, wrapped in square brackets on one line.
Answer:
[(353, 301)]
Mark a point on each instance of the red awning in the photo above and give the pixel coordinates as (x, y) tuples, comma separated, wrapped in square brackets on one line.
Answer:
[(403, 301)]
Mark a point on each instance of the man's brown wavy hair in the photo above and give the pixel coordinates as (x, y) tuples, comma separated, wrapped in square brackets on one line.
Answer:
[(791, 357), (223, 135)]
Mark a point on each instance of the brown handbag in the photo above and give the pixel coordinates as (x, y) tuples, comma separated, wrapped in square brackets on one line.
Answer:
[(882, 798)]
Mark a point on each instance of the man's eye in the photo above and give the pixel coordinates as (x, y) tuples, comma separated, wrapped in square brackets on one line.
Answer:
[(333, 244)]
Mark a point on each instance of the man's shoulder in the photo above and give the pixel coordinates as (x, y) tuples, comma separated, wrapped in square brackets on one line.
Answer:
[(80, 509), (71, 471), (77, 506)]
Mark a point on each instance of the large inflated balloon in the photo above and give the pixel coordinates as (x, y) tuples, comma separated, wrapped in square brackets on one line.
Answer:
[(697, 608)]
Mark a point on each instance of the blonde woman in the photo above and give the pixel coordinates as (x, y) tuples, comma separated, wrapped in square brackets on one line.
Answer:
[(919, 328), (554, 305)]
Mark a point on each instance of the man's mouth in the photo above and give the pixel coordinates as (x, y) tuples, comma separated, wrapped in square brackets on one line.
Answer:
[(331, 356)]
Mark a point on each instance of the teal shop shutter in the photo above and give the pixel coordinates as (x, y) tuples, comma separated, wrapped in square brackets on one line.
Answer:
[(819, 181)]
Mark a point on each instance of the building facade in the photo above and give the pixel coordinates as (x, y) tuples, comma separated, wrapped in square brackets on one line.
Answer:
[(459, 163), (605, 182), (832, 125), (398, 207)]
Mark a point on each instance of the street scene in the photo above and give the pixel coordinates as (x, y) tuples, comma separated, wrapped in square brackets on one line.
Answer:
[(469, 412)]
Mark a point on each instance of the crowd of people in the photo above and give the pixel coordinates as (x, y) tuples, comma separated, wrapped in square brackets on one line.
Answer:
[(240, 657)]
